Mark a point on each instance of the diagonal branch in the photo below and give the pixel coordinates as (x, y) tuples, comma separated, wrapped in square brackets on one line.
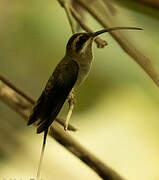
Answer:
[(22, 106)]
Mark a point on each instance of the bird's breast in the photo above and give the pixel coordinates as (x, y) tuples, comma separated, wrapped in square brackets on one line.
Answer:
[(84, 69)]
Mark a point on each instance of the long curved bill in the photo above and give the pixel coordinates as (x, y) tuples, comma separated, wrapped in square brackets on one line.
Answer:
[(114, 29)]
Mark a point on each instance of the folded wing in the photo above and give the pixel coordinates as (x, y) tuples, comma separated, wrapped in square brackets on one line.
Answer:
[(55, 94)]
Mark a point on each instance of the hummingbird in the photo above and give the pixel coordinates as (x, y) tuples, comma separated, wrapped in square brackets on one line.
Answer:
[(69, 73)]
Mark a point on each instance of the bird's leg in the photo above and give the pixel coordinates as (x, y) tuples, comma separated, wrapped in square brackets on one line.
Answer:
[(71, 102)]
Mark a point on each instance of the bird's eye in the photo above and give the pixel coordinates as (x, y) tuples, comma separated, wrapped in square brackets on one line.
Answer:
[(81, 41)]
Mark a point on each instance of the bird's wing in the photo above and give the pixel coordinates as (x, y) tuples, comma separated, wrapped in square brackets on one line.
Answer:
[(53, 97)]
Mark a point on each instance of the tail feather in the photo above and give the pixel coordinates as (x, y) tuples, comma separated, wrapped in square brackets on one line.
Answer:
[(42, 154)]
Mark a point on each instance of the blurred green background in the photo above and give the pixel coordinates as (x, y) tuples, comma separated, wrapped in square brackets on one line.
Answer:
[(117, 106)]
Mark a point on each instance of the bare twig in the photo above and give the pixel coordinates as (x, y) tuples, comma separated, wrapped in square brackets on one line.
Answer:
[(125, 43), (66, 5), (93, 162), (100, 42), (22, 106), (30, 99)]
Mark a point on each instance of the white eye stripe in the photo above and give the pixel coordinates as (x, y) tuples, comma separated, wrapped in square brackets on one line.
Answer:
[(75, 41)]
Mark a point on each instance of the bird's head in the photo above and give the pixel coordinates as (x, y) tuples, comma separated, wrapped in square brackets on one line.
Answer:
[(79, 44)]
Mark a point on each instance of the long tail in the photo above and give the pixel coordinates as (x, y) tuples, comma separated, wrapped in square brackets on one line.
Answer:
[(42, 154)]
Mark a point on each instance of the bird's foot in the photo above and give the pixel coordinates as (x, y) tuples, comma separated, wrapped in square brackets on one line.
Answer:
[(68, 116), (65, 127), (71, 101)]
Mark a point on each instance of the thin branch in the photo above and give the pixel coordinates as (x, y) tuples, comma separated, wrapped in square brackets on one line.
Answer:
[(100, 42), (84, 155), (31, 100), (22, 106), (125, 43), (66, 5)]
